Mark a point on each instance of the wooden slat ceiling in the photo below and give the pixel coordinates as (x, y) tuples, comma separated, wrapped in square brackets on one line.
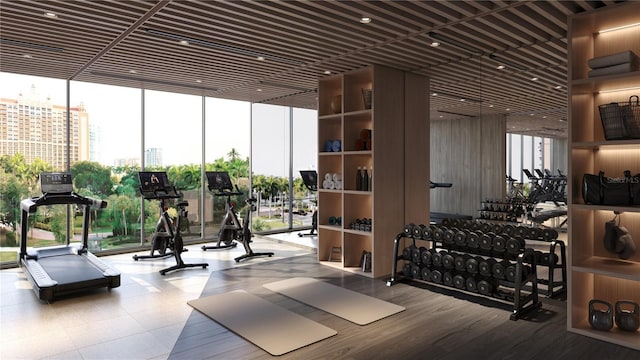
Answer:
[(136, 43)]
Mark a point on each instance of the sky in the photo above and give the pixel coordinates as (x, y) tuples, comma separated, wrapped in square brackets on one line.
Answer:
[(173, 122)]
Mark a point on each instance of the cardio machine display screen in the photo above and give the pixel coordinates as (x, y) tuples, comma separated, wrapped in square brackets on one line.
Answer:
[(219, 180), (54, 182), (150, 181)]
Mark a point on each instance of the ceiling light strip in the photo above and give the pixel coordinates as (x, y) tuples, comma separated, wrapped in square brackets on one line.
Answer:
[(31, 45), (141, 79), (618, 28), (229, 48)]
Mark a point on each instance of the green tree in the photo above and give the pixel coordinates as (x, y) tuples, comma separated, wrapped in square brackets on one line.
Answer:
[(12, 191), (92, 176)]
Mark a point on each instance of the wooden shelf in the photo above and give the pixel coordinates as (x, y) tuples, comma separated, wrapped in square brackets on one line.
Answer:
[(387, 122), (594, 273)]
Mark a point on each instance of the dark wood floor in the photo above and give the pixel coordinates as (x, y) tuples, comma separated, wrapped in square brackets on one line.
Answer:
[(437, 323)]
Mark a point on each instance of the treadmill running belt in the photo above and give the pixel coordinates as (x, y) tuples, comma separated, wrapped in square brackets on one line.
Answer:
[(68, 269)]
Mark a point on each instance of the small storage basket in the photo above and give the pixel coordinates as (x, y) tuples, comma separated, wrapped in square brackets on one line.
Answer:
[(621, 120)]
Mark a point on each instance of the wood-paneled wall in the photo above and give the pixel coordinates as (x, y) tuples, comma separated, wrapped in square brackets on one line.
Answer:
[(471, 154)]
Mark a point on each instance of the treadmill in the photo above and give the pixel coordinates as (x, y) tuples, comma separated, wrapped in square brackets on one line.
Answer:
[(60, 270)]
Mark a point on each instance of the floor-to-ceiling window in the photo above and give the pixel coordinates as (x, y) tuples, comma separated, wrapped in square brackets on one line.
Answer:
[(305, 150)]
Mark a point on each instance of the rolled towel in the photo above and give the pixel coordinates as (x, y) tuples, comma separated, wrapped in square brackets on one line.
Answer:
[(328, 176), (331, 184), (338, 184), (336, 145), (336, 177), (328, 145)]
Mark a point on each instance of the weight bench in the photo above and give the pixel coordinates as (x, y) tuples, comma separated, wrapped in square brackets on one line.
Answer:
[(548, 215)]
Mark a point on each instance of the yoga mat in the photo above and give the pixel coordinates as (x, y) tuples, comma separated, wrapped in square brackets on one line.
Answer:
[(268, 326), (349, 305)]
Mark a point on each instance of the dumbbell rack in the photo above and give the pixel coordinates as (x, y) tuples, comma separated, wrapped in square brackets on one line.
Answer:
[(555, 287), (521, 289)]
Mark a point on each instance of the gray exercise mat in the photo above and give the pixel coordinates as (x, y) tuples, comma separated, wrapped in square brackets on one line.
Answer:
[(268, 326), (349, 305)]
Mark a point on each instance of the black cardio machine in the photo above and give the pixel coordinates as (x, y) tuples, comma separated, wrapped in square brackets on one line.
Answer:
[(231, 229), (310, 180), (155, 185), (60, 270)]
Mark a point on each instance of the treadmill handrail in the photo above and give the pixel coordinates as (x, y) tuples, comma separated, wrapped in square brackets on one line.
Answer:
[(30, 205)]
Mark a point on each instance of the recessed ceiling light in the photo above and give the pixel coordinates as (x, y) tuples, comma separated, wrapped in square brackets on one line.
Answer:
[(327, 72), (27, 56), (365, 19), (534, 79), (50, 15), (500, 67), (441, 116), (258, 89), (184, 42), (508, 109), (531, 114), (463, 99), (261, 58), (199, 81), (434, 94), (544, 117), (133, 71), (435, 44), (490, 105), (558, 87)]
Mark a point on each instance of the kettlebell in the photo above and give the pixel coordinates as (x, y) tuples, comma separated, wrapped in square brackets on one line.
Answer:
[(600, 319), (627, 320)]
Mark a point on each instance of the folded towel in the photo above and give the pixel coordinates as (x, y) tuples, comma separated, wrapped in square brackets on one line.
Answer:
[(612, 70)]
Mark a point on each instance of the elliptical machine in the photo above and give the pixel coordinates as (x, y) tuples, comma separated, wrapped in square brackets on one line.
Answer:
[(310, 179), (154, 185), (219, 184)]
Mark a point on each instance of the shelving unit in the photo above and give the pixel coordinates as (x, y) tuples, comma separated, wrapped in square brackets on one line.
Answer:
[(399, 106), (593, 272)]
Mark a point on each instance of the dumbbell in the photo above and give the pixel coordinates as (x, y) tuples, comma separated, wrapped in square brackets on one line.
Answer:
[(408, 230), (497, 228), (486, 242), (534, 233), (447, 278), (549, 234), (436, 276), (520, 231), (425, 256), (548, 259), (427, 233), (485, 227), (438, 233), (475, 225), (510, 273), (459, 282), (515, 245), (459, 262), (415, 271), (446, 222), (406, 269), (418, 231), (416, 254), (485, 267), (486, 287), (447, 260), (461, 238), (508, 230), (471, 265), (449, 237), (436, 259), (407, 251), (499, 269), (471, 283), (425, 273), (473, 240), (499, 243)]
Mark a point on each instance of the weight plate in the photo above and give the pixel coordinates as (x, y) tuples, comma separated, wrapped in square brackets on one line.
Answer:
[(436, 260), (427, 233), (485, 287), (446, 222), (438, 234), (507, 230), (486, 227), (484, 268), (497, 228), (475, 226), (513, 245), (498, 270), (406, 269), (417, 231), (415, 271), (465, 224), (459, 282), (521, 231), (532, 234), (447, 279), (425, 273), (415, 256), (459, 263), (510, 273), (472, 266), (406, 253), (408, 229), (455, 222)]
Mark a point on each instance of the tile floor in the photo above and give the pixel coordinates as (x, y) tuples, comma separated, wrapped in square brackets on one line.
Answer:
[(141, 319)]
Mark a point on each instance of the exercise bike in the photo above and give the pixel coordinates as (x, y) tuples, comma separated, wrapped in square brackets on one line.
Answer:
[(231, 230), (310, 179), (167, 235)]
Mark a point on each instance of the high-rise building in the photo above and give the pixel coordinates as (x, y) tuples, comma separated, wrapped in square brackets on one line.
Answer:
[(37, 128), (153, 157)]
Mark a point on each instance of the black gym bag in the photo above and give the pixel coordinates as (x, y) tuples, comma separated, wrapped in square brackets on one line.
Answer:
[(604, 190)]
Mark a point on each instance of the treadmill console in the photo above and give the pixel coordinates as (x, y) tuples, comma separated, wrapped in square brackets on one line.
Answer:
[(56, 183), (156, 185)]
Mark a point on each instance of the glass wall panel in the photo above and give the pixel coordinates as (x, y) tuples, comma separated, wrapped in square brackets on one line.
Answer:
[(108, 161), (173, 143), (270, 160), (227, 139), (305, 157), (33, 138)]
